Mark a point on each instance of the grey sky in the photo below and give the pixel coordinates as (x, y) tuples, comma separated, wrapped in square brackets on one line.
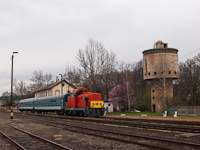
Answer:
[(48, 33)]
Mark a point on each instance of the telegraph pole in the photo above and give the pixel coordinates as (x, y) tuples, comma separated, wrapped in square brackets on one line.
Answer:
[(11, 106)]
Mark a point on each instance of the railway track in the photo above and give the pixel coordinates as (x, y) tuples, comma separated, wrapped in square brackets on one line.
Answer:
[(25, 140), (147, 141), (175, 122), (167, 125), (158, 124)]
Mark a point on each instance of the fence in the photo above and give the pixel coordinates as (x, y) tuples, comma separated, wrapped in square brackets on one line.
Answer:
[(187, 110)]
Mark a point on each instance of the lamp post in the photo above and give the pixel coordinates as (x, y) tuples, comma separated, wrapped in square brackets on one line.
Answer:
[(61, 84), (11, 106)]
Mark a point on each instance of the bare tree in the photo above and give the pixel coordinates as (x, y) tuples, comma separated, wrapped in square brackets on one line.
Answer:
[(188, 86), (127, 84), (163, 80), (47, 77), (20, 88), (97, 66), (39, 79), (73, 74), (6, 93)]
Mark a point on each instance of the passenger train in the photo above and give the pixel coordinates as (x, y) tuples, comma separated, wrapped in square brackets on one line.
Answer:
[(79, 102)]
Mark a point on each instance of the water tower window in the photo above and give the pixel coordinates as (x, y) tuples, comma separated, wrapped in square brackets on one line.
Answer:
[(146, 64)]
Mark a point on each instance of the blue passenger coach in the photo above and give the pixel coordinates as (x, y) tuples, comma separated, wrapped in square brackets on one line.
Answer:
[(44, 104), (26, 104)]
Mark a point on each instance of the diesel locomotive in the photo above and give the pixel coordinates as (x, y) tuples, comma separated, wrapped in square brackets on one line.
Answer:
[(79, 102)]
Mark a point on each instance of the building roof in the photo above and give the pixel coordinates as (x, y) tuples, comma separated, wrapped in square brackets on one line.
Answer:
[(49, 86)]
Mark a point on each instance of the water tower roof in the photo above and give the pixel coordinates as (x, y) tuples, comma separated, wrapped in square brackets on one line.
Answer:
[(159, 41)]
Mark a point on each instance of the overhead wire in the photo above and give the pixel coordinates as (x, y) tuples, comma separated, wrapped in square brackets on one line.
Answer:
[(5, 70), (189, 53)]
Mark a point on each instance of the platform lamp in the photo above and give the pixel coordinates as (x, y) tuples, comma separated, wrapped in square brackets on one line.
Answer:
[(61, 84), (11, 106)]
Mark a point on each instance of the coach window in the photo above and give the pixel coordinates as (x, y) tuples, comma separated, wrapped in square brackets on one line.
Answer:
[(57, 102)]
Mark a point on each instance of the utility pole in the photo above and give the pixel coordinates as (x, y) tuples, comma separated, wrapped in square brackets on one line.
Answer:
[(11, 106)]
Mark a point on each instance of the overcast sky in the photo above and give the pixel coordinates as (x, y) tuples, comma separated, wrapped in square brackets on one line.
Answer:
[(47, 34)]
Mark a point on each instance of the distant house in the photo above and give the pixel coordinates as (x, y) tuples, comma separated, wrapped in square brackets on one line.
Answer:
[(5, 101), (55, 88), (108, 106)]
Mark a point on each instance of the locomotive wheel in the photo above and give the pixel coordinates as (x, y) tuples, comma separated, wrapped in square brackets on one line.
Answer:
[(81, 114), (68, 113)]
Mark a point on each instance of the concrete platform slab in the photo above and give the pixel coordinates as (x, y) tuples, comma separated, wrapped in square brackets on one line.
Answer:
[(188, 134)]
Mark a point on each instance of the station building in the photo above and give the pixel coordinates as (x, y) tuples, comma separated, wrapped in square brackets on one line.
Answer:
[(55, 88)]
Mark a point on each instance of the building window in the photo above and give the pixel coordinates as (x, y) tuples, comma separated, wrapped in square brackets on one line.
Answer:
[(57, 92), (153, 97), (169, 72), (155, 73), (149, 73), (108, 104), (174, 72), (152, 90), (146, 64)]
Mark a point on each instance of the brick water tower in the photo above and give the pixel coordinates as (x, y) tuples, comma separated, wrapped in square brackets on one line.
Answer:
[(160, 67)]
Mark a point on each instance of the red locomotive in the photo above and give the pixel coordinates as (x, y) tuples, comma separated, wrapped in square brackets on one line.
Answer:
[(84, 103)]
